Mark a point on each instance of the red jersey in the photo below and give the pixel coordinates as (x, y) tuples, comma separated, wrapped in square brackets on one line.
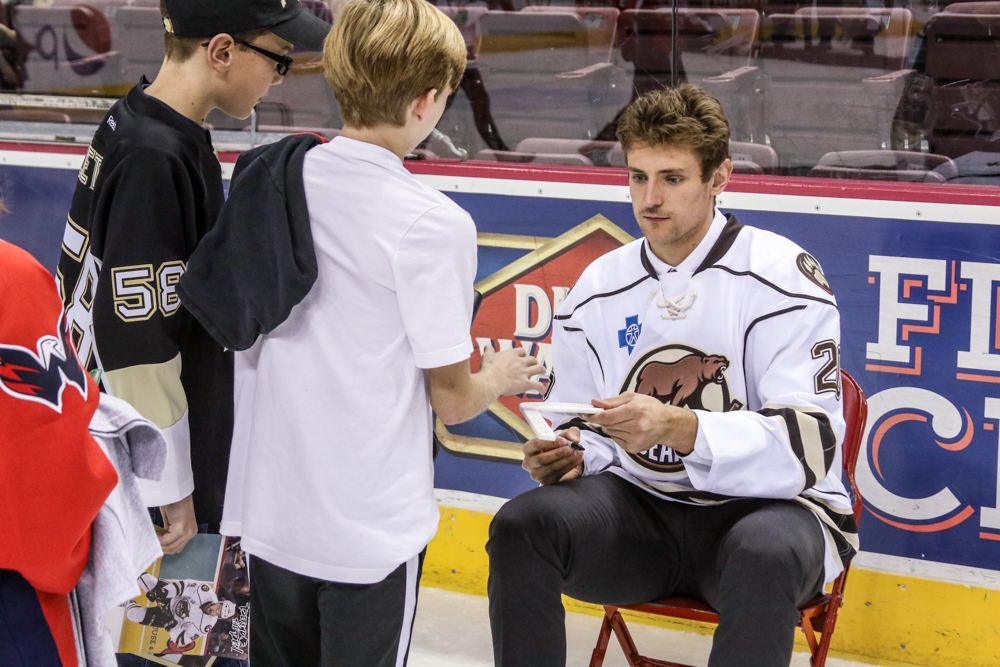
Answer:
[(53, 476)]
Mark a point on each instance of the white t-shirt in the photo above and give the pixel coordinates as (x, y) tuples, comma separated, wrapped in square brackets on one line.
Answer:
[(331, 474)]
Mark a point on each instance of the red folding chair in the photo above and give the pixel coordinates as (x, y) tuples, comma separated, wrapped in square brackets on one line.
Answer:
[(819, 615)]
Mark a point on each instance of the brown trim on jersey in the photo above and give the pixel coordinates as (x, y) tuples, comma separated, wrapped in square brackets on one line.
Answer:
[(601, 296), (746, 334), (722, 245), (646, 263), (798, 440), (764, 281)]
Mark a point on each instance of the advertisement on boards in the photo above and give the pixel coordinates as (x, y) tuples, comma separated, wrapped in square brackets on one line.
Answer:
[(920, 312)]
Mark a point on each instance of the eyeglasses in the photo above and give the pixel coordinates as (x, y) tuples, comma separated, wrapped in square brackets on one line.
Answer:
[(284, 62)]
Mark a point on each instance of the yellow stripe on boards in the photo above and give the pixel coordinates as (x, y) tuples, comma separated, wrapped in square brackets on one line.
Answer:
[(889, 620)]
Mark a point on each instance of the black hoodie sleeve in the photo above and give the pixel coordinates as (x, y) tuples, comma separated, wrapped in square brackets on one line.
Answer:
[(258, 262)]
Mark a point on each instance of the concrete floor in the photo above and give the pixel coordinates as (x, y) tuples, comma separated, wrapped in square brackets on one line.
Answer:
[(453, 630)]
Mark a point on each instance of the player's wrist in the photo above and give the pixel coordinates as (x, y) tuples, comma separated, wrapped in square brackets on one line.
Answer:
[(684, 431)]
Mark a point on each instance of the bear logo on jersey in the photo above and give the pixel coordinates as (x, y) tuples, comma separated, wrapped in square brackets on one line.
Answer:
[(42, 377), (811, 269), (682, 376), (681, 382)]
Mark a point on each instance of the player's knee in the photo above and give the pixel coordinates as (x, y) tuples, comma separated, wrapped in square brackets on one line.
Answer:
[(760, 546), (521, 521)]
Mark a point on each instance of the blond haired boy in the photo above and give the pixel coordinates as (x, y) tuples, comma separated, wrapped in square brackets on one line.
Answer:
[(333, 489)]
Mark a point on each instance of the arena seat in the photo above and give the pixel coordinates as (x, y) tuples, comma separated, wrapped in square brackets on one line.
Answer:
[(139, 34), (750, 158), (467, 20), (988, 8), (833, 79), (325, 132), (597, 152), (304, 98), (490, 155), (600, 23), (886, 165), (319, 8), (102, 4), (747, 158), (963, 72), (34, 115), (818, 616), (537, 69), (716, 47)]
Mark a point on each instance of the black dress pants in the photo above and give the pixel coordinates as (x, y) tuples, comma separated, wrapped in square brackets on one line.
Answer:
[(603, 540), (299, 621)]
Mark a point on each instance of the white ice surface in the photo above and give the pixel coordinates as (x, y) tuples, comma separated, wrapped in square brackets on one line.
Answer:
[(453, 630)]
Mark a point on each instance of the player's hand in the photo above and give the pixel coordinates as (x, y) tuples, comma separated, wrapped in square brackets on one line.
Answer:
[(178, 519), (550, 462), (637, 422), (512, 370)]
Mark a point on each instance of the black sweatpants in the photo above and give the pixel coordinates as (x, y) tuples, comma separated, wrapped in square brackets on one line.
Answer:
[(299, 621), (603, 540)]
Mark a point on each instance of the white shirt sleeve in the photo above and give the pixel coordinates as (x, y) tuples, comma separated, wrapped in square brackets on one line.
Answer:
[(578, 378), (177, 480), (435, 271), (792, 440)]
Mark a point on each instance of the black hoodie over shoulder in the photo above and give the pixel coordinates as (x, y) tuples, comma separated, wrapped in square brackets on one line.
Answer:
[(258, 262)]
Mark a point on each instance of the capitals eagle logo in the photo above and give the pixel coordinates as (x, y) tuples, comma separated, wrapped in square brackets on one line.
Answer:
[(43, 375)]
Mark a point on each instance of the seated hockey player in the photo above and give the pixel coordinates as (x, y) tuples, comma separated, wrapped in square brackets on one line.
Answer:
[(714, 469)]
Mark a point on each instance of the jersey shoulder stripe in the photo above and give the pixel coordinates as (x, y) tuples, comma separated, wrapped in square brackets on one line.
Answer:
[(611, 274), (773, 261)]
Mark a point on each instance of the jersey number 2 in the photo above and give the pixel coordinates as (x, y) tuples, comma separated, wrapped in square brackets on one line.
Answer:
[(828, 378)]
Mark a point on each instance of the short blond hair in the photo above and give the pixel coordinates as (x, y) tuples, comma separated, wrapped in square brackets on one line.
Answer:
[(383, 54), (685, 116)]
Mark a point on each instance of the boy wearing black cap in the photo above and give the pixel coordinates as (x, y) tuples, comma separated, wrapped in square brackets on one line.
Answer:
[(150, 188)]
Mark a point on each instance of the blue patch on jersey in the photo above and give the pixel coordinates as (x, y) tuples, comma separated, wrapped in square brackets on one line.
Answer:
[(629, 336)]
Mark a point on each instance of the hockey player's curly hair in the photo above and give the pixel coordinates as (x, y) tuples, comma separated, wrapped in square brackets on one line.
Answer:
[(685, 116)]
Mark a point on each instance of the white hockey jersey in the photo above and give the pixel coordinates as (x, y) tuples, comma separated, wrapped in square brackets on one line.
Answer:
[(186, 601), (746, 332)]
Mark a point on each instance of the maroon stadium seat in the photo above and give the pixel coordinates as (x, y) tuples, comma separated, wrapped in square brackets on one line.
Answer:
[(833, 79), (715, 49), (963, 72)]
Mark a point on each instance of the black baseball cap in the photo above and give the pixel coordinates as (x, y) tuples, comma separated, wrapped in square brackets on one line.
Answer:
[(288, 19)]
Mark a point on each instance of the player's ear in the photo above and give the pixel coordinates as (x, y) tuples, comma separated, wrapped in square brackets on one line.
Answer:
[(720, 179), (219, 52)]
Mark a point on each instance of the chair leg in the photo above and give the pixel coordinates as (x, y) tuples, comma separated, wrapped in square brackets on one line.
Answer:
[(810, 633), (597, 658), (632, 656), (819, 655)]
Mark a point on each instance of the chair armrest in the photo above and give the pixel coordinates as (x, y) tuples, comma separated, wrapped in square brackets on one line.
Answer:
[(732, 75), (889, 78), (887, 88), (583, 72), (110, 56)]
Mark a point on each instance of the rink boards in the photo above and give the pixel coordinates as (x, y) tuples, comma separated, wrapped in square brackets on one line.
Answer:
[(917, 280)]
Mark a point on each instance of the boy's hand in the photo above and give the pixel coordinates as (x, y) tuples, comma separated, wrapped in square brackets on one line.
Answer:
[(178, 519), (511, 371), (637, 422), (550, 462)]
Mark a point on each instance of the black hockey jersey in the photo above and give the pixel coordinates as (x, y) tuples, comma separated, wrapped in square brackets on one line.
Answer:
[(150, 188)]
